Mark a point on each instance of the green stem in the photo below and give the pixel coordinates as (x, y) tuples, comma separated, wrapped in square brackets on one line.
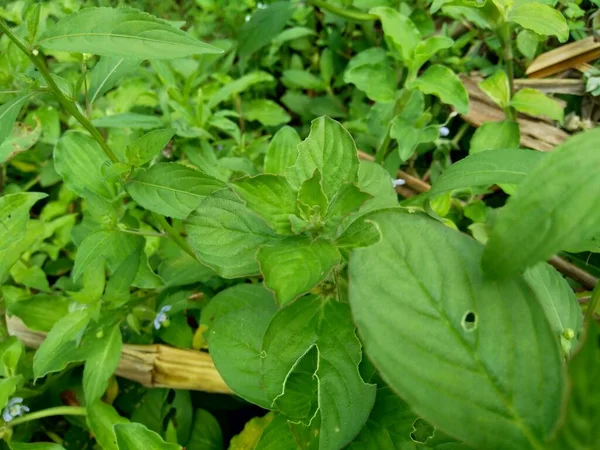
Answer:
[(40, 64), (173, 234), (346, 13), (505, 38), (56, 411), (381, 151), (593, 304)]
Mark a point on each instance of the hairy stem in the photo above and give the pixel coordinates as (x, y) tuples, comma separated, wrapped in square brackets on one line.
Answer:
[(346, 13), (56, 411), (173, 234), (505, 38), (40, 64)]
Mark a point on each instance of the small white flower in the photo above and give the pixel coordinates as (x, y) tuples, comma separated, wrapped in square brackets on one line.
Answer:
[(162, 317), (14, 408), (260, 5), (247, 18), (444, 131), (398, 182)]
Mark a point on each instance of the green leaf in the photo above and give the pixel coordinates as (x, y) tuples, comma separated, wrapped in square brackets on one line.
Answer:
[(554, 208), (496, 87), (101, 365), (240, 316), (23, 137), (240, 85), (206, 432), (147, 147), (277, 435), (282, 151), (124, 32), (542, 19), (509, 166), (14, 230), (527, 43), (344, 399), (267, 112), (295, 265), (329, 148), (107, 73), (101, 419), (171, 189), (39, 312), (35, 446), (409, 136), (495, 135), (128, 120), (400, 29), (134, 436), (311, 195), (180, 269), (427, 48), (371, 72), (302, 79), (360, 233), (375, 180), (579, 426), (269, 196), (437, 339), (536, 103), (348, 200), (443, 83), (78, 159), (60, 338), (262, 27), (225, 235), (8, 387), (558, 300), (112, 245), (9, 112)]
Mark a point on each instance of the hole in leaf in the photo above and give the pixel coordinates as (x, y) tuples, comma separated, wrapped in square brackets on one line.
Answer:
[(422, 431), (469, 321)]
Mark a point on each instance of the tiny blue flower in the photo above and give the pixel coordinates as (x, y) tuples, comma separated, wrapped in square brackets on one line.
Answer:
[(162, 317), (219, 147), (398, 182), (444, 131), (14, 408)]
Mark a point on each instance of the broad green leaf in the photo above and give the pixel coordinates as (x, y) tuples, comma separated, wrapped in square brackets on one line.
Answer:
[(427, 48), (262, 27), (559, 302), (101, 365), (375, 180), (134, 436), (78, 159), (536, 103), (16, 230), (241, 315), (371, 71), (269, 196), (554, 208), (107, 73), (436, 337), (329, 148), (527, 43), (443, 83), (148, 146), (409, 136), (360, 233), (579, 425), (171, 189), (302, 79), (294, 266), (249, 436), (101, 419), (11, 351), (124, 32), (23, 137), (542, 19), (282, 151), (60, 338), (225, 235), (311, 195), (344, 399), (267, 112), (400, 29), (112, 245), (9, 112), (349, 199), (39, 312), (178, 268), (14, 445), (8, 387), (240, 85), (496, 87), (495, 135), (277, 435), (510, 166), (128, 120), (155, 410), (206, 432)]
